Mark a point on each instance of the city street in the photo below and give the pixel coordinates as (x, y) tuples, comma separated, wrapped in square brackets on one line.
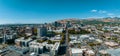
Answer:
[(67, 43)]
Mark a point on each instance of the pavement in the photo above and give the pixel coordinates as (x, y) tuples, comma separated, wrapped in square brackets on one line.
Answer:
[(67, 44)]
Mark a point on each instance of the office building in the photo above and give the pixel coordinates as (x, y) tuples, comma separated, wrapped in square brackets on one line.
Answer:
[(28, 31), (56, 24), (39, 48), (41, 31), (23, 42)]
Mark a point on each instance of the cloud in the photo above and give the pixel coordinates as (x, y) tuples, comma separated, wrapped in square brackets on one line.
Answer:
[(118, 16), (102, 11), (93, 10), (95, 17), (110, 14), (99, 11)]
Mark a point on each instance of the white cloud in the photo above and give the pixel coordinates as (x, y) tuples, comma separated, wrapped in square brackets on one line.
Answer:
[(93, 10), (99, 11), (95, 17), (110, 14), (118, 16), (102, 11)]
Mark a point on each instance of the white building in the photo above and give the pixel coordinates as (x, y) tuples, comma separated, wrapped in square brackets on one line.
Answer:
[(111, 44), (7, 37), (74, 37), (74, 41), (56, 38), (76, 52), (82, 37), (38, 48), (58, 30), (103, 53), (23, 42), (90, 53), (55, 48)]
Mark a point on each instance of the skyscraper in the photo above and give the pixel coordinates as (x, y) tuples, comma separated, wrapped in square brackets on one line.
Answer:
[(28, 31), (56, 24), (41, 31)]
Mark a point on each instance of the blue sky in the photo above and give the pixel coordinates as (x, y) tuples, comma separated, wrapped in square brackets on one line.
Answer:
[(41, 11)]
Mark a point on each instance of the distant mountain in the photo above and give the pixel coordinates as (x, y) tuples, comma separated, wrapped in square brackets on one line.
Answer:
[(72, 20), (106, 20), (112, 18)]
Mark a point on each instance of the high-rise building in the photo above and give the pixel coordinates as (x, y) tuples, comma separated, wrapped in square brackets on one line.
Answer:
[(68, 24), (7, 37), (28, 31), (56, 24), (41, 31)]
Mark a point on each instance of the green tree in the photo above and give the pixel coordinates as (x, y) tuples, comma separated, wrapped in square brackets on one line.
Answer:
[(50, 42)]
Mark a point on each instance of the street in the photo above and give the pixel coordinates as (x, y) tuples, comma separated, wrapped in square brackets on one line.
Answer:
[(67, 43)]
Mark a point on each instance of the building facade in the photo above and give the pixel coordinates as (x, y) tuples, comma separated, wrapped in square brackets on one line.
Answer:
[(41, 31)]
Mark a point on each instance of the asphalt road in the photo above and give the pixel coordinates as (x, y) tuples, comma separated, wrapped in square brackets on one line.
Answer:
[(67, 44)]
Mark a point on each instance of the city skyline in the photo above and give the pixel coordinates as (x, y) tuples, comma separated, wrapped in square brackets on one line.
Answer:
[(41, 11)]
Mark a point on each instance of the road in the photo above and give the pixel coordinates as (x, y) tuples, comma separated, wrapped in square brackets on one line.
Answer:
[(67, 43)]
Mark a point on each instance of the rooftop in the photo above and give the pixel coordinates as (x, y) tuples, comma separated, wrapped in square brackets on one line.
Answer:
[(111, 44), (76, 50), (55, 47)]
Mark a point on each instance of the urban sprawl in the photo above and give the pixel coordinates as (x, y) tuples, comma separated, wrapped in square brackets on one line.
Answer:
[(68, 37)]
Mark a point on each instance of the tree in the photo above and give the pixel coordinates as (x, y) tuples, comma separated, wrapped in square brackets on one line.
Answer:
[(78, 32), (34, 31), (40, 41), (63, 39), (51, 33), (49, 41)]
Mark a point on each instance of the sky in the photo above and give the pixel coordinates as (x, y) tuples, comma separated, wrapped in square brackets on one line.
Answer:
[(43, 11)]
